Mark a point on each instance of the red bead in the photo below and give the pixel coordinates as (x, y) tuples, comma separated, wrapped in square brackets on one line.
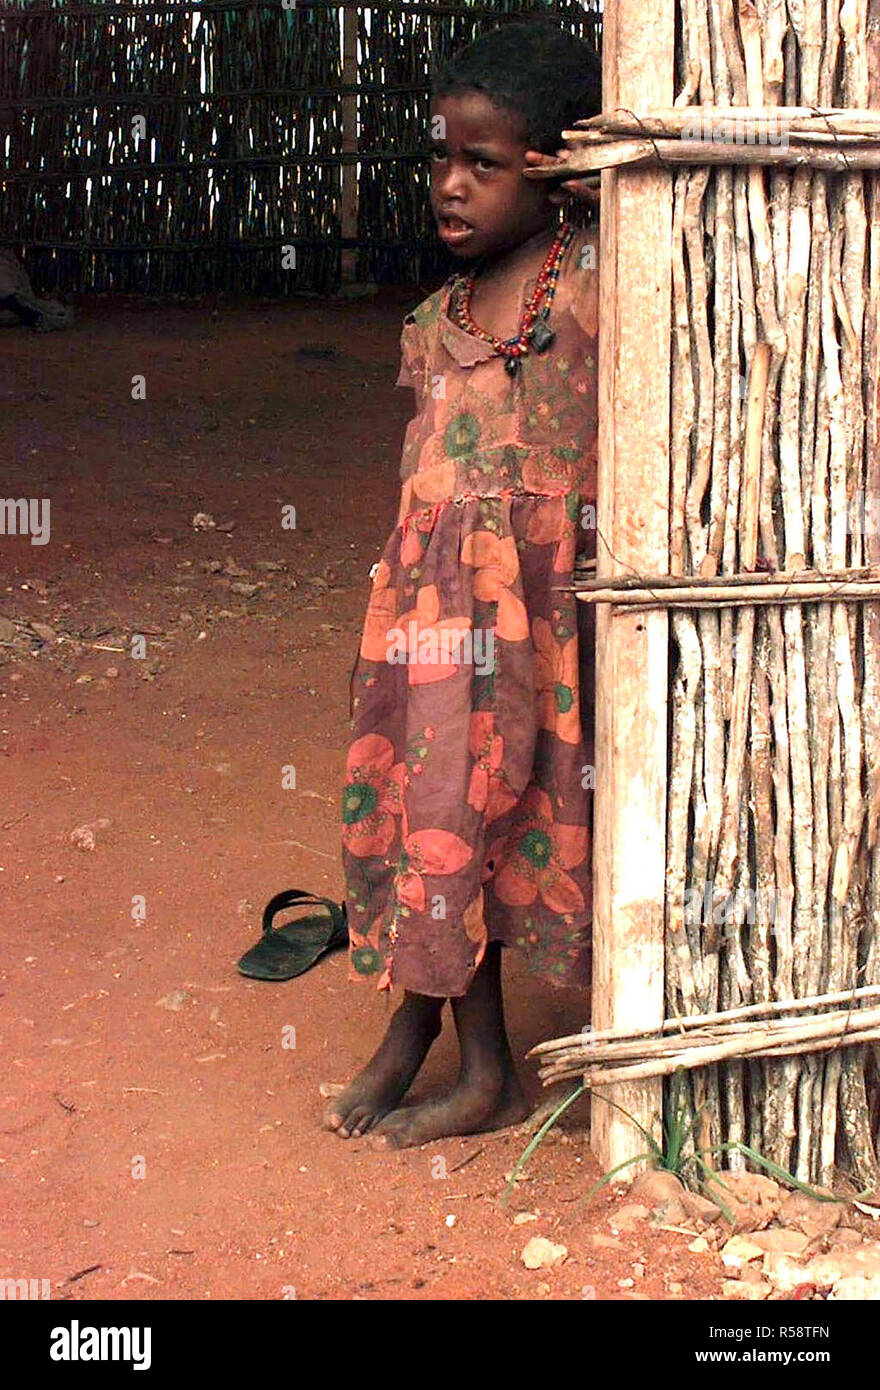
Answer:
[(545, 285)]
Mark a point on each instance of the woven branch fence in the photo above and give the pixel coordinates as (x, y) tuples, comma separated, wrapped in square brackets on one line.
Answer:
[(772, 901), (241, 143)]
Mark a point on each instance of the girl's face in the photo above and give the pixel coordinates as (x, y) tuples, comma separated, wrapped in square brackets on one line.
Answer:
[(481, 201)]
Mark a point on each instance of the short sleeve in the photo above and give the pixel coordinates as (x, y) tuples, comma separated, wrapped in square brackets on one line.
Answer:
[(411, 354)]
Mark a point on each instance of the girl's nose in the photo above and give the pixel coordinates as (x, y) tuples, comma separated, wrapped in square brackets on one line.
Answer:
[(448, 179)]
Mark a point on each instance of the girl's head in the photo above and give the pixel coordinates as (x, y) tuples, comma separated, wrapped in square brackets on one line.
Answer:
[(511, 90)]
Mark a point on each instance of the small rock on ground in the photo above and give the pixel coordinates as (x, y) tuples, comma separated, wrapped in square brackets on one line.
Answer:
[(540, 1253)]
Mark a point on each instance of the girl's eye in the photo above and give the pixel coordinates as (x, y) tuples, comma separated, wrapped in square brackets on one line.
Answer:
[(485, 164), (435, 155)]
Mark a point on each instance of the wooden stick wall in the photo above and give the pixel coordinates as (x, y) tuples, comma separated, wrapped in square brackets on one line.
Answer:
[(774, 783)]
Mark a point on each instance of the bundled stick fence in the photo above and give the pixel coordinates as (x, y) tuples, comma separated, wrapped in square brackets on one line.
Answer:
[(172, 146), (772, 875)]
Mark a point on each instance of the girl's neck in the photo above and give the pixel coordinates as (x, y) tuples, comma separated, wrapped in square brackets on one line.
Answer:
[(520, 259)]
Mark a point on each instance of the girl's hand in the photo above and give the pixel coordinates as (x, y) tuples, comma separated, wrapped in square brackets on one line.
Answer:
[(586, 189)]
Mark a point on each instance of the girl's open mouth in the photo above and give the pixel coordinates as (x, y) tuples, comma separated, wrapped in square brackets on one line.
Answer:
[(454, 229)]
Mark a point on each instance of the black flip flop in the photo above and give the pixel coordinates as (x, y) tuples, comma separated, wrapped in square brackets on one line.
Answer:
[(282, 953)]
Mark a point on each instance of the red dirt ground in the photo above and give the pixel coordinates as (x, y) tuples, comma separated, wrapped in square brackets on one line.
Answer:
[(244, 1195)]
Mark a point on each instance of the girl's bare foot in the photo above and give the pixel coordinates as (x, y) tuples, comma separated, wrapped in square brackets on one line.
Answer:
[(487, 1094), (478, 1103), (389, 1074)]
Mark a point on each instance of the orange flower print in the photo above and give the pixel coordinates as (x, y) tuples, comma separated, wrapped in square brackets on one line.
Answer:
[(429, 645), (556, 677), (427, 852), (417, 525), (550, 523), (487, 791), (496, 561), (538, 852), (547, 521), (563, 562), (372, 799), (474, 923), (381, 611), (405, 506)]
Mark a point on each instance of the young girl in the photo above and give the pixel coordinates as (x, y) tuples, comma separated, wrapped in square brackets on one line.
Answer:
[(466, 814)]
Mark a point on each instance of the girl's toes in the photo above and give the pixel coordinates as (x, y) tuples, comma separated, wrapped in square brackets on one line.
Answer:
[(356, 1117), (360, 1123)]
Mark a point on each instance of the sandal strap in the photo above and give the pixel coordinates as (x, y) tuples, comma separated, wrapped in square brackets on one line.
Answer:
[(291, 897)]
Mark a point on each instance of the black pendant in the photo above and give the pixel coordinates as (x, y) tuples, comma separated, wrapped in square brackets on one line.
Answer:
[(511, 365), (541, 335)]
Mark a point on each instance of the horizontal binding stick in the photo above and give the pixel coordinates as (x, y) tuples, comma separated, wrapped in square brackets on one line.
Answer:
[(671, 124), (614, 154), (699, 581), (745, 595)]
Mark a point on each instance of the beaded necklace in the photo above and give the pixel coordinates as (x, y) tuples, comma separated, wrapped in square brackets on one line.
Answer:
[(534, 332)]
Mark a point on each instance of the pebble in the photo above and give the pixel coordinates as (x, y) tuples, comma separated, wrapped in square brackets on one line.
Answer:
[(738, 1251), (700, 1208), (657, 1185), (845, 1236), (672, 1212), (793, 1242), (626, 1217), (811, 1217), (540, 1253)]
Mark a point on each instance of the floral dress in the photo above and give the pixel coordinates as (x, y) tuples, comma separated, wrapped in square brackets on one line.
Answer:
[(467, 808)]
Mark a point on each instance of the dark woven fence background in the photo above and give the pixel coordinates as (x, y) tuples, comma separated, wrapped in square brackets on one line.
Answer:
[(242, 104)]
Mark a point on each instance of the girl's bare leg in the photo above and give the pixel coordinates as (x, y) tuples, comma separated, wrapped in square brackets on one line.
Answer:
[(487, 1094), (389, 1074)]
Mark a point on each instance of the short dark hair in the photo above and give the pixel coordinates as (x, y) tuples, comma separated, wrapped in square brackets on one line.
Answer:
[(543, 73)]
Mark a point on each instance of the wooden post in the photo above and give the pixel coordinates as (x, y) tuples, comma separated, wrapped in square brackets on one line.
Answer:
[(348, 172), (629, 856)]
